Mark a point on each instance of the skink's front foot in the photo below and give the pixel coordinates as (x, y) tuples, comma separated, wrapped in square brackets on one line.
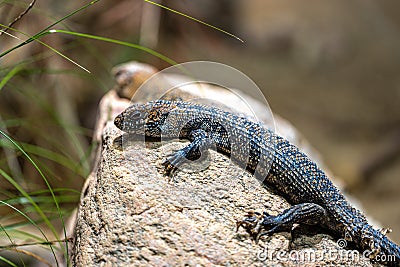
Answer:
[(258, 225), (199, 143), (251, 223), (177, 159), (173, 162)]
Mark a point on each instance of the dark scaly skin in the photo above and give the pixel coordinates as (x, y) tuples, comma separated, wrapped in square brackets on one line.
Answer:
[(269, 157)]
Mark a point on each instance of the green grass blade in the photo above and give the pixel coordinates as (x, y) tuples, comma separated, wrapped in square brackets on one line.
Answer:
[(51, 155), (7, 261), (11, 241), (109, 40), (26, 235), (44, 44), (9, 75), (33, 223), (43, 199), (45, 30), (197, 20), (55, 190), (24, 223), (33, 203)]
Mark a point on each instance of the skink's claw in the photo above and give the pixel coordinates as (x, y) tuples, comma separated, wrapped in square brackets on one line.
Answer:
[(169, 168), (173, 162), (251, 223)]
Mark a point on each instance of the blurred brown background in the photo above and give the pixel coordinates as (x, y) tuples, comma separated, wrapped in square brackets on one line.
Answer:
[(329, 67)]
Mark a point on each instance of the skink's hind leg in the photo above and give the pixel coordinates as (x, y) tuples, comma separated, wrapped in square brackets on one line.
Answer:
[(257, 224), (200, 142)]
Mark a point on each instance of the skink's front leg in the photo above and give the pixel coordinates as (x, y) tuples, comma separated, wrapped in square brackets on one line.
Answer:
[(200, 142)]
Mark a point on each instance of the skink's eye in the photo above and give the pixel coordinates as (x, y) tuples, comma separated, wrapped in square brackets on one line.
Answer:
[(154, 115)]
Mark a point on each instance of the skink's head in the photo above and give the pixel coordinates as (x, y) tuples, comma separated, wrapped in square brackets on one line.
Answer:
[(144, 118)]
